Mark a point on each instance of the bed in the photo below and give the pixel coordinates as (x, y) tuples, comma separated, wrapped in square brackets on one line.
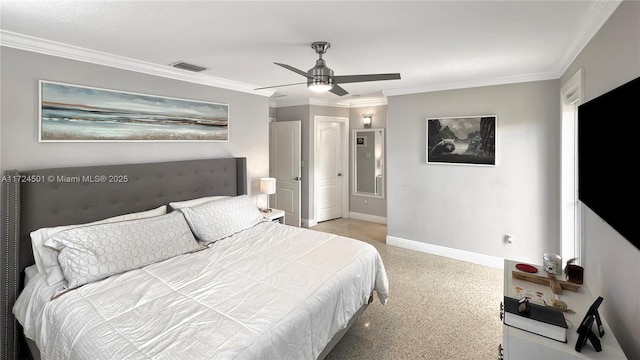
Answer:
[(248, 289)]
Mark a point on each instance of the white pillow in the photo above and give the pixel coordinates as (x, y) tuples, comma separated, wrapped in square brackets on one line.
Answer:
[(218, 219), (92, 253), (47, 259), (195, 202)]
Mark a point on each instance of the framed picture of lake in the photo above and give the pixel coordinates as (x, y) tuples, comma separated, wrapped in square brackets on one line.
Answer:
[(464, 140), (73, 113)]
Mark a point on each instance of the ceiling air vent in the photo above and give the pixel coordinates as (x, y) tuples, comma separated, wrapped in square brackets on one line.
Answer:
[(186, 66)]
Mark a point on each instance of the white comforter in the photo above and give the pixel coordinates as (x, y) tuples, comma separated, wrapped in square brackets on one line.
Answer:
[(269, 292)]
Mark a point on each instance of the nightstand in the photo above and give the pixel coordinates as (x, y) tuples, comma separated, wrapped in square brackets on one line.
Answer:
[(274, 215)]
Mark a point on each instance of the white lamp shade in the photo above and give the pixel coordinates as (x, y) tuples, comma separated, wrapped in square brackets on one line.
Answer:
[(366, 120), (268, 185)]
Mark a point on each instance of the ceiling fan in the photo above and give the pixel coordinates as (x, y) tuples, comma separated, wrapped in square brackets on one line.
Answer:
[(320, 78)]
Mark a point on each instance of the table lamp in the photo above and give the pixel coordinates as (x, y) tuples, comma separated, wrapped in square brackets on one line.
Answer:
[(267, 186)]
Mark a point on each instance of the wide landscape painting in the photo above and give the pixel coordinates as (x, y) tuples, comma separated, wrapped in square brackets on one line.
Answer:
[(79, 113)]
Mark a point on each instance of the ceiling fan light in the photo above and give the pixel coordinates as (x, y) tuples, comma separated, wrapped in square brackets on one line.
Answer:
[(320, 87)]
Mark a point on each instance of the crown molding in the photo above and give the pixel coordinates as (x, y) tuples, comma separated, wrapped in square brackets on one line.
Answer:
[(340, 103), (369, 102), (311, 101), (596, 15), (503, 80), (289, 102), (53, 48)]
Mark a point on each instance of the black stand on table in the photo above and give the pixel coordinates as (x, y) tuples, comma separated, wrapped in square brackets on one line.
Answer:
[(585, 331)]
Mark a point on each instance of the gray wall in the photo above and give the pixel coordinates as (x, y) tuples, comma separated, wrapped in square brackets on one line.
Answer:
[(612, 264), (471, 208), (374, 206), (21, 70)]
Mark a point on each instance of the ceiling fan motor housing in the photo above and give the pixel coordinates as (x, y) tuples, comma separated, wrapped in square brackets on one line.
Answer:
[(321, 74)]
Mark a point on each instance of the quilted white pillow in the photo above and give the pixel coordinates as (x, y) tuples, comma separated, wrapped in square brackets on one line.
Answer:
[(92, 253), (195, 202), (218, 219), (46, 259)]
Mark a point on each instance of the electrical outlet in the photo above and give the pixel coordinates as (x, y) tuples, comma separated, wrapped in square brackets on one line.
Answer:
[(508, 238)]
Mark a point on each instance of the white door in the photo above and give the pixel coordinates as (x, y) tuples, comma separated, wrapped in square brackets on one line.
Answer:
[(329, 168), (284, 166)]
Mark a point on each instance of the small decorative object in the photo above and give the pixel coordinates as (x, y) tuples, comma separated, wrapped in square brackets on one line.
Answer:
[(523, 306), (574, 272), (565, 285), (466, 140), (552, 263), (561, 305), (527, 268), (73, 113), (268, 187)]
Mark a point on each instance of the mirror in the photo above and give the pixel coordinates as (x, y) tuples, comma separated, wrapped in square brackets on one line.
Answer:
[(368, 162)]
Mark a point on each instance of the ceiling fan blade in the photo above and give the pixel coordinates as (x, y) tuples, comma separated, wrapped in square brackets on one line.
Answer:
[(275, 86), (336, 89), (297, 71), (361, 78)]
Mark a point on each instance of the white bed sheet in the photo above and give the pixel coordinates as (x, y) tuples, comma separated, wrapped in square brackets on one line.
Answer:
[(269, 292)]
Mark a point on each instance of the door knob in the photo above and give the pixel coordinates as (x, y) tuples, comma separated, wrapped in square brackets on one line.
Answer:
[(339, 174), (297, 178)]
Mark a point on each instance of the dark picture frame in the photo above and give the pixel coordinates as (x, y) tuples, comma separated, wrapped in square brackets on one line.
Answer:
[(462, 140)]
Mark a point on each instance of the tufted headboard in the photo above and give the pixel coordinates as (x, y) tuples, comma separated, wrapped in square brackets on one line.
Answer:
[(75, 195)]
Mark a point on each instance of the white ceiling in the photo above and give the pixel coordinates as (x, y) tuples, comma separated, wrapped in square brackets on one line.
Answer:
[(435, 45)]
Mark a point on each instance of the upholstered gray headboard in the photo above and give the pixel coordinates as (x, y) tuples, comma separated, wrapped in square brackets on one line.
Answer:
[(74, 195)]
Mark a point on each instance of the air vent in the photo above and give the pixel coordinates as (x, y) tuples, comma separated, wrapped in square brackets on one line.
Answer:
[(187, 66)]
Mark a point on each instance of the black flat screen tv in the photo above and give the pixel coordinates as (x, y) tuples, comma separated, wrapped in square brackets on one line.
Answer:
[(609, 158)]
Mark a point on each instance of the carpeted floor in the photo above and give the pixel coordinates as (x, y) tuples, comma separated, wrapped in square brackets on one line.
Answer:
[(438, 308)]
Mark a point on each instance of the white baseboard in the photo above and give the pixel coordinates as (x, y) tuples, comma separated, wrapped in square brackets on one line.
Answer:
[(307, 223), (367, 217), (468, 256)]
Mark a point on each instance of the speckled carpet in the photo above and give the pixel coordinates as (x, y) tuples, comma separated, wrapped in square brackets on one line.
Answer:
[(438, 308)]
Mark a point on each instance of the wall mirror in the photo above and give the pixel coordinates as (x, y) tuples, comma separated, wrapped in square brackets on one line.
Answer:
[(368, 162)]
